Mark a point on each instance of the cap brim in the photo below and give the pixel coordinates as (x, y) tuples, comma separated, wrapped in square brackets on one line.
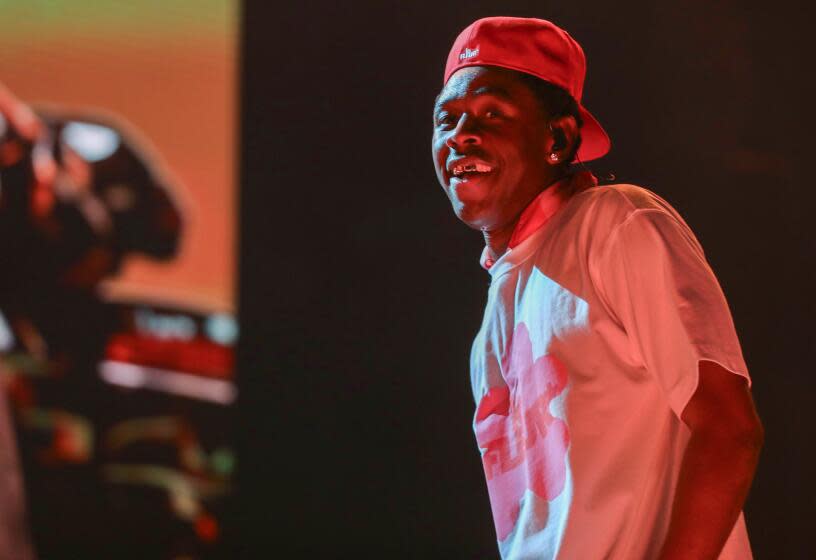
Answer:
[(595, 142)]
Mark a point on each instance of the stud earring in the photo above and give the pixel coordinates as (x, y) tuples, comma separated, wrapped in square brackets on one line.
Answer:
[(554, 157)]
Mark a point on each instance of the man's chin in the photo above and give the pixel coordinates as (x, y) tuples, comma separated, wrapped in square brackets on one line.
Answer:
[(471, 214)]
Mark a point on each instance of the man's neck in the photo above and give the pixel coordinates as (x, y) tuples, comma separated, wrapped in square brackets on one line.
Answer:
[(498, 240)]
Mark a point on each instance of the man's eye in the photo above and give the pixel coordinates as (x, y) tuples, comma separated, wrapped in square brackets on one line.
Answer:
[(445, 120), (492, 114)]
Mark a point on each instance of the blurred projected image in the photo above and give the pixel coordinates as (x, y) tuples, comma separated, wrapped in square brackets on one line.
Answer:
[(116, 326)]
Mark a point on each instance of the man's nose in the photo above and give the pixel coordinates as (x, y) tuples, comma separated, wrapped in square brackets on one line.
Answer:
[(465, 133)]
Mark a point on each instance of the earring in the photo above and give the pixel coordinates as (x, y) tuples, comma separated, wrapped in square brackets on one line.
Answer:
[(554, 157)]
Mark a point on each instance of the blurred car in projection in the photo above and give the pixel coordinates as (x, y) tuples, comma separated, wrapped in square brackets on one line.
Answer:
[(147, 470), (171, 371)]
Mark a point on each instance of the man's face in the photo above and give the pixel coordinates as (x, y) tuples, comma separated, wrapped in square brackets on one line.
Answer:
[(489, 146)]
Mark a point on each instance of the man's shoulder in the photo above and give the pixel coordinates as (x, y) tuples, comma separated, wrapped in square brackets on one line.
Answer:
[(624, 197), (610, 205), (594, 215)]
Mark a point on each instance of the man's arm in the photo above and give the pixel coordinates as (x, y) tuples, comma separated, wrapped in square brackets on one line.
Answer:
[(718, 466)]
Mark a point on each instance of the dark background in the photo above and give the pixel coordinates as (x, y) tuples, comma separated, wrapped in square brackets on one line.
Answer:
[(360, 292)]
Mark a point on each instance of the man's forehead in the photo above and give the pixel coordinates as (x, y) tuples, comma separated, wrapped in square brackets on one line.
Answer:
[(475, 81)]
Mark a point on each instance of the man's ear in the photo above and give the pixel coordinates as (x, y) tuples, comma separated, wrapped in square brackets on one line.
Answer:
[(563, 138)]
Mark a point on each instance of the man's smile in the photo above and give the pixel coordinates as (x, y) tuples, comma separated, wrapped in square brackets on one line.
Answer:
[(467, 168)]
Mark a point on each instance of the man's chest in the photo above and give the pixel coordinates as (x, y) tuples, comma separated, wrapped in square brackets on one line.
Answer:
[(528, 307)]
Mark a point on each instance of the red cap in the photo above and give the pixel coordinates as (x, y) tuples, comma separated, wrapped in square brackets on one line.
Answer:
[(532, 46)]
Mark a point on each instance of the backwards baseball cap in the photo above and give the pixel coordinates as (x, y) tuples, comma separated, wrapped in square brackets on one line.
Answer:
[(537, 47)]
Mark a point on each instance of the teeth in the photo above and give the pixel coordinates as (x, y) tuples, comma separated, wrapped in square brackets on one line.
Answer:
[(470, 168)]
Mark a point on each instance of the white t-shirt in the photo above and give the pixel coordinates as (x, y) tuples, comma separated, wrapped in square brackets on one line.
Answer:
[(587, 355)]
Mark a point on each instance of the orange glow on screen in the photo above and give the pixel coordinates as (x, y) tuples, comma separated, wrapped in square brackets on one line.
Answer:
[(169, 68)]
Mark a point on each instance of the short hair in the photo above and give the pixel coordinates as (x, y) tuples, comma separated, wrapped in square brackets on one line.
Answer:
[(555, 102)]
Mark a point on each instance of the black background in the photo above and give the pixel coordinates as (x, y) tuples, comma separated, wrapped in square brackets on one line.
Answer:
[(360, 292)]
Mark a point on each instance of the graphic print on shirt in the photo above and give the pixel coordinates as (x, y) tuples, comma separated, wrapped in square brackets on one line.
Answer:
[(524, 447)]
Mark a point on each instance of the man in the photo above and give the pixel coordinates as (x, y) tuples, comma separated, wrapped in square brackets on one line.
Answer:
[(614, 416)]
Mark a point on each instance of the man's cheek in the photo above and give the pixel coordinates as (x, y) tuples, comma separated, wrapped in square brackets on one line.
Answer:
[(437, 145), (440, 176), (440, 158)]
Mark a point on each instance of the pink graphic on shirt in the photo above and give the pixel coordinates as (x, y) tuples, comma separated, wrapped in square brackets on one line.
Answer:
[(524, 445)]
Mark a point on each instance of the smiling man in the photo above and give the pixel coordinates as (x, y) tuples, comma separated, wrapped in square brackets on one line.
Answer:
[(613, 410)]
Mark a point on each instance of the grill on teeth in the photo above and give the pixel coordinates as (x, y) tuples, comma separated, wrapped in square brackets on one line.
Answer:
[(471, 167)]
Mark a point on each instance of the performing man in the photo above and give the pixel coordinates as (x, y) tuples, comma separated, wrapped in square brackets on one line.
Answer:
[(613, 409)]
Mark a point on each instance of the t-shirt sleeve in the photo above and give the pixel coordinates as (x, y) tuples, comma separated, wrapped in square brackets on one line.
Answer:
[(652, 276)]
